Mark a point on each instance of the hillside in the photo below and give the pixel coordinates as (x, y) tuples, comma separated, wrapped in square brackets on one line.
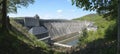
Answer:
[(19, 41), (102, 41)]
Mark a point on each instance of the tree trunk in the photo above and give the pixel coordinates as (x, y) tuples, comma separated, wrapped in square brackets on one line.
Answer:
[(4, 16), (118, 46)]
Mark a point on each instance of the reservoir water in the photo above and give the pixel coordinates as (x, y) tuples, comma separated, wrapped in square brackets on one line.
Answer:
[(71, 41)]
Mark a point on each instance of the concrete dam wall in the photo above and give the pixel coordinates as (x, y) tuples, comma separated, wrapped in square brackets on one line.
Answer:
[(57, 28), (45, 29)]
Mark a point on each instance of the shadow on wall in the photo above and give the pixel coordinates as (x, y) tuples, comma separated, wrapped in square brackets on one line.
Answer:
[(39, 36)]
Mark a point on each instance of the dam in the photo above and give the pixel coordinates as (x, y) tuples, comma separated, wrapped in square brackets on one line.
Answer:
[(56, 31)]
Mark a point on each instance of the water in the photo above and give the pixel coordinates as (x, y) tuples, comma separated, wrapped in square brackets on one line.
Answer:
[(72, 42)]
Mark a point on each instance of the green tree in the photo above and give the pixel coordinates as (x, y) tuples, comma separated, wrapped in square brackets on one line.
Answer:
[(4, 15), (10, 6), (118, 27), (104, 7)]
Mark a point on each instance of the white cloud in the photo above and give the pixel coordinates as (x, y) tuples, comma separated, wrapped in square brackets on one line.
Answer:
[(73, 10), (59, 11), (46, 16)]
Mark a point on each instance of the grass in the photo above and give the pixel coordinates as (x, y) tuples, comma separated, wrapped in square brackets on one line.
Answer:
[(103, 41), (27, 36), (19, 41)]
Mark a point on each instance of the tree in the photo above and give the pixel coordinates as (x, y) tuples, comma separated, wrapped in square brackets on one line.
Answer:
[(103, 7), (4, 15), (118, 28), (10, 6)]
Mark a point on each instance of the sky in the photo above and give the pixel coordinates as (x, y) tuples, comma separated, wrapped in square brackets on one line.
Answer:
[(51, 9)]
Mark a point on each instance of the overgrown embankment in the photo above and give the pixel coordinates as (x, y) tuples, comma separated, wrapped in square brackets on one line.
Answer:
[(102, 41), (19, 41)]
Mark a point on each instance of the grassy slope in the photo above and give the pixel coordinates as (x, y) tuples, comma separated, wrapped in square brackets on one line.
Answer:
[(18, 41), (103, 41)]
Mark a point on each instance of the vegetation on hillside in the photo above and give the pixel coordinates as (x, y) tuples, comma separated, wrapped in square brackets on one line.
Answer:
[(102, 41), (110, 9), (19, 41)]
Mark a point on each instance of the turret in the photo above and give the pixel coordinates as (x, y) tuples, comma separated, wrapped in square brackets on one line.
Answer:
[(37, 19), (36, 16)]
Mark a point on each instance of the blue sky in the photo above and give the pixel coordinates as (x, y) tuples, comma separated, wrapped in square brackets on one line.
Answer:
[(51, 9)]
